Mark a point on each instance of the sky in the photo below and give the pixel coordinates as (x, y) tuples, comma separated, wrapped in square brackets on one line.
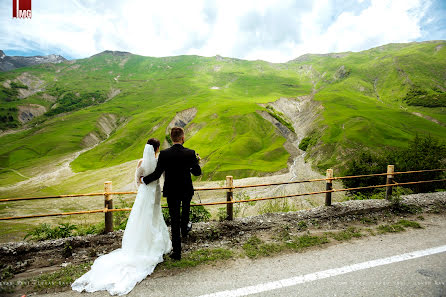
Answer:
[(270, 30)]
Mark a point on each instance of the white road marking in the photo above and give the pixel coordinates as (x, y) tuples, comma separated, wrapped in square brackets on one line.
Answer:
[(325, 274)]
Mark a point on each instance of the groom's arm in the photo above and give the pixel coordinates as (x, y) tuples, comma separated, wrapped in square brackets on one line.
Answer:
[(195, 168), (160, 167)]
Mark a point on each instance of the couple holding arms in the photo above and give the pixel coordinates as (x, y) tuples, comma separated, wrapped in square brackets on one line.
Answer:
[(146, 237)]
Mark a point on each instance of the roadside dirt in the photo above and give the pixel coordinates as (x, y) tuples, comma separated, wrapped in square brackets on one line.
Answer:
[(28, 259)]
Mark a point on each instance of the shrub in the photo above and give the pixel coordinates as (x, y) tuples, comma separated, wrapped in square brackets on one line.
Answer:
[(45, 231), (18, 85), (199, 214), (69, 101), (90, 229), (8, 95), (120, 218), (422, 153), (196, 214), (277, 205), (240, 208), (419, 97), (280, 117), (222, 214), (169, 140)]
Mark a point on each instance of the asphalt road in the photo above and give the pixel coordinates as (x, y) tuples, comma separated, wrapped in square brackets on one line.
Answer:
[(401, 264)]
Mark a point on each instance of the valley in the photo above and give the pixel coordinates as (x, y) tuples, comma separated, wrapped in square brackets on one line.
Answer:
[(78, 123)]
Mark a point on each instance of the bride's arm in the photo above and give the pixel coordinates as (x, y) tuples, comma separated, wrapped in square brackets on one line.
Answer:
[(139, 172)]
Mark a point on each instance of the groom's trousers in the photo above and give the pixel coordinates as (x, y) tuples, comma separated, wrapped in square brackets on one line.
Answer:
[(178, 222)]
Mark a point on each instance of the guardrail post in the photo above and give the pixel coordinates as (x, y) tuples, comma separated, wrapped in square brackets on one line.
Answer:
[(390, 171), (108, 204), (229, 197), (328, 187)]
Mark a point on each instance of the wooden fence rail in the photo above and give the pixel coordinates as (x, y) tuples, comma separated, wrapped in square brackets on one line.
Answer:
[(108, 194)]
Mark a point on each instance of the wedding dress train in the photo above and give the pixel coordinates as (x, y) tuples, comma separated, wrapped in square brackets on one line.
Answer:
[(145, 241)]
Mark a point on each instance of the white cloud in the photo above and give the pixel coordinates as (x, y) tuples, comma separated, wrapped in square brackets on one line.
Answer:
[(275, 31)]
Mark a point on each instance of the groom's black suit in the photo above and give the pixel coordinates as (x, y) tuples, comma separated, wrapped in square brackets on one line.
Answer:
[(178, 163)]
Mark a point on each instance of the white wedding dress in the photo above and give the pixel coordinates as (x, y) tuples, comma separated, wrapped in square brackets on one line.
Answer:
[(145, 241)]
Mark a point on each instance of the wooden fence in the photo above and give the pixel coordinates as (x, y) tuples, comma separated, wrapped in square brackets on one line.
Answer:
[(229, 188)]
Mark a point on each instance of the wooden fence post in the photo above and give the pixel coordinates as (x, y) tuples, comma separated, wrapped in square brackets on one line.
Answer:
[(390, 171), (229, 197), (108, 204), (328, 187)]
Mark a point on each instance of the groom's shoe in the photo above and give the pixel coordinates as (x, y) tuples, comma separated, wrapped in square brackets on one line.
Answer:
[(175, 256), (185, 234)]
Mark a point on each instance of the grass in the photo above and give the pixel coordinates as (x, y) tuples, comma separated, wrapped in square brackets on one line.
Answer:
[(390, 228), (349, 233), (398, 227), (150, 96), (369, 220), (197, 257), (62, 278), (278, 205), (407, 223), (354, 117), (255, 248), (230, 136), (299, 243), (45, 231)]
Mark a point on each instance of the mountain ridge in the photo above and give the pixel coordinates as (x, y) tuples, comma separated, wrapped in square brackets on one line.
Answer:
[(8, 63), (360, 100)]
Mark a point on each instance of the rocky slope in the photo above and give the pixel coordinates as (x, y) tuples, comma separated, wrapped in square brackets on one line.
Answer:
[(8, 63)]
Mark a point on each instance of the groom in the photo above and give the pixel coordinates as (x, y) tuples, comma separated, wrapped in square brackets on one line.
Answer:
[(178, 163)]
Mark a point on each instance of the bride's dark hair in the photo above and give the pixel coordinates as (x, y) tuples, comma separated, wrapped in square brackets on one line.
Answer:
[(154, 142)]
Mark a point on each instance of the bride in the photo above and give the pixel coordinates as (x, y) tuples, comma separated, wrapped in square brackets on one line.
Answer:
[(145, 241)]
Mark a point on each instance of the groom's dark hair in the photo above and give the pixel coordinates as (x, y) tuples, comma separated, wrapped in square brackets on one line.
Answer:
[(176, 133), (154, 142)]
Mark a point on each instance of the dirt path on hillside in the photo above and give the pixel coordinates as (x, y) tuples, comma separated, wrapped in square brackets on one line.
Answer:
[(13, 131), (429, 118), (56, 172)]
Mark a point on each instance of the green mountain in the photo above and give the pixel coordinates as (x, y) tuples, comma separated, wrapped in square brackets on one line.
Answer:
[(100, 111)]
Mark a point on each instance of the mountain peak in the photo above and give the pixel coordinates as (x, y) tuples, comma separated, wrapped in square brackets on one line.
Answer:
[(12, 62), (113, 53)]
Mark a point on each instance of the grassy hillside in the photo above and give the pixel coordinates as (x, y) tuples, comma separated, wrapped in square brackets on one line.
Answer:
[(152, 91), (363, 97), (362, 94)]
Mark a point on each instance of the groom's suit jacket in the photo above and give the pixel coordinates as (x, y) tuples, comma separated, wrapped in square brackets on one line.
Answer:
[(177, 162)]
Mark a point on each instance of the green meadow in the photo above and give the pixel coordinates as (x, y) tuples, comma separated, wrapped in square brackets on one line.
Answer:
[(361, 95)]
